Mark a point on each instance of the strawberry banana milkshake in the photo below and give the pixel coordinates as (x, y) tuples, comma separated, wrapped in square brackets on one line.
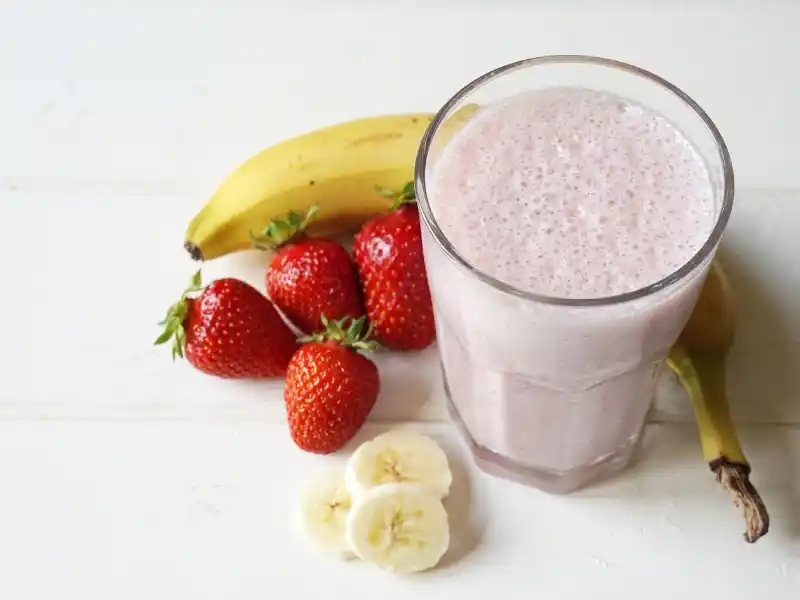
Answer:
[(548, 219)]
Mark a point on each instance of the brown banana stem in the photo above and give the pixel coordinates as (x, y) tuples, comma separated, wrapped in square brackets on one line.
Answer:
[(736, 479), (193, 251), (732, 471)]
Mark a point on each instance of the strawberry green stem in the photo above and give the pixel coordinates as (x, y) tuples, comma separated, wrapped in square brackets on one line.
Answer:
[(176, 316), (281, 231), (406, 195), (353, 337)]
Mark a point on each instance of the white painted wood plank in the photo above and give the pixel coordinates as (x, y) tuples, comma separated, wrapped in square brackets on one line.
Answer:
[(177, 93), (154, 510), (88, 275)]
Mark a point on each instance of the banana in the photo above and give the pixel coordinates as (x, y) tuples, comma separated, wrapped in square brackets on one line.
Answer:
[(399, 527), (324, 506), (398, 457), (698, 359), (336, 168)]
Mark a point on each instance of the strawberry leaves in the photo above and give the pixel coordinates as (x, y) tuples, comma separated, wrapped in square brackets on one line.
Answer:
[(406, 195), (281, 231), (353, 337), (176, 316)]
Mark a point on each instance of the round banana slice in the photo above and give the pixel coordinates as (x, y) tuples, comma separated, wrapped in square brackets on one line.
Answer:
[(324, 505), (399, 457), (399, 527)]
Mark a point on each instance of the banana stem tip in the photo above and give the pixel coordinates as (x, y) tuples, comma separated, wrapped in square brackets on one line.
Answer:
[(193, 251), (735, 478)]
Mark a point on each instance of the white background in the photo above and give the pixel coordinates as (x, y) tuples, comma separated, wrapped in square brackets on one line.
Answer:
[(125, 476)]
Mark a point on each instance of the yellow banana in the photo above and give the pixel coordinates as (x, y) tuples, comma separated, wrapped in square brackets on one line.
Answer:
[(335, 168), (698, 359)]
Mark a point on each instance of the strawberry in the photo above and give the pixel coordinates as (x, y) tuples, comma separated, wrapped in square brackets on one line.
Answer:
[(309, 278), (330, 387), (388, 255), (230, 330)]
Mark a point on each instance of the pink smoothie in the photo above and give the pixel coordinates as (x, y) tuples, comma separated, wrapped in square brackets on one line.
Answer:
[(576, 194)]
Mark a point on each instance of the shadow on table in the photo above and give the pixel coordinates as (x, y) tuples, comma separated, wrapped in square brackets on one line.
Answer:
[(409, 383), (761, 374), (465, 529), (759, 371), (761, 379)]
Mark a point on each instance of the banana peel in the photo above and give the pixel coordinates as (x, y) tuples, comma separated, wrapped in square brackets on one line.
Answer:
[(335, 169), (698, 360)]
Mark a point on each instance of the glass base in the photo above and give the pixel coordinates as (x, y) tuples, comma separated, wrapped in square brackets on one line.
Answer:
[(553, 482)]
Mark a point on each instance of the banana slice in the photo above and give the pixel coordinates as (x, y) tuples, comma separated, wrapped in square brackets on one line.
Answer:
[(399, 457), (399, 527), (324, 506)]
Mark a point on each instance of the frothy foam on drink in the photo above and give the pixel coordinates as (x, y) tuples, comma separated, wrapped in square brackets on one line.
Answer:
[(573, 193)]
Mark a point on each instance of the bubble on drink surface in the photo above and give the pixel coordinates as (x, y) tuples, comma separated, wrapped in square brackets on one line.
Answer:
[(538, 197)]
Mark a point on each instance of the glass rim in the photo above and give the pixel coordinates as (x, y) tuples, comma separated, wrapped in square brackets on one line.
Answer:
[(676, 276)]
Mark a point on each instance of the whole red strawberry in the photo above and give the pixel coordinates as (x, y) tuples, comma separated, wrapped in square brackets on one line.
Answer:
[(388, 255), (309, 278), (230, 330), (330, 387)]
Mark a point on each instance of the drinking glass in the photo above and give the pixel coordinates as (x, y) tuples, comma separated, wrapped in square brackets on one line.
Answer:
[(549, 391)]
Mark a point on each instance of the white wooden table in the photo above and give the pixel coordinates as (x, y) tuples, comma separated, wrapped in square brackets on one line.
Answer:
[(124, 476)]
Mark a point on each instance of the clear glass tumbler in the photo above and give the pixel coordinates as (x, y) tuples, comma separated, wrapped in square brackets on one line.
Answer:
[(550, 391)]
